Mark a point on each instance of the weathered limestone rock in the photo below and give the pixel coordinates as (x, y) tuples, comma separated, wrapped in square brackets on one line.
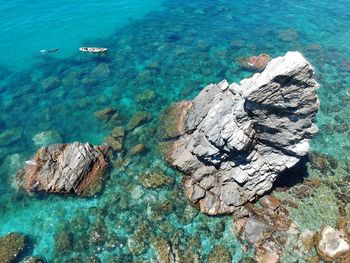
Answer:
[(331, 243), (65, 168), (233, 140)]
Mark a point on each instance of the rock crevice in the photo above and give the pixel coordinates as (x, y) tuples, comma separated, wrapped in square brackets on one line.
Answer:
[(232, 140)]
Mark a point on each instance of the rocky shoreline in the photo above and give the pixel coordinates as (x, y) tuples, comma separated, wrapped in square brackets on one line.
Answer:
[(251, 142)]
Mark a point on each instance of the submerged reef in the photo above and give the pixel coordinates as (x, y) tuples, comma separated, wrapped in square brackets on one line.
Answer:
[(234, 140), (11, 246), (65, 168)]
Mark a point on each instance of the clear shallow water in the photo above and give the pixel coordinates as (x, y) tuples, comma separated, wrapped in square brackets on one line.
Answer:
[(174, 50), (29, 26)]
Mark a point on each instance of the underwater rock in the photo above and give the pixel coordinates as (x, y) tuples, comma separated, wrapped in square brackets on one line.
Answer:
[(322, 162), (10, 136), (162, 249), (234, 141), (138, 119), (101, 71), (255, 230), (288, 35), (255, 62), (306, 241), (266, 229), (138, 242), (46, 138), (265, 256), (270, 202), (65, 168), (11, 247), (63, 242), (331, 243), (98, 233), (146, 96), (107, 115), (118, 132), (138, 149), (219, 254), (115, 143), (155, 179), (33, 259), (50, 83)]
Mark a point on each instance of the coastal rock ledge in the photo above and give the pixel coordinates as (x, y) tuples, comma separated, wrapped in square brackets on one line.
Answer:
[(65, 168), (234, 140)]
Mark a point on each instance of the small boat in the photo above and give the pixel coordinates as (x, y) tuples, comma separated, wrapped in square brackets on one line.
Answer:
[(93, 49)]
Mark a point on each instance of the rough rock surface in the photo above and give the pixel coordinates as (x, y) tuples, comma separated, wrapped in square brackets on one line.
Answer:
[(331, 243), (233, 140), (65, 168)]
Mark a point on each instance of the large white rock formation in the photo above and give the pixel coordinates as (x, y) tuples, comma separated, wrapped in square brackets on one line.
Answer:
[(234, 140)]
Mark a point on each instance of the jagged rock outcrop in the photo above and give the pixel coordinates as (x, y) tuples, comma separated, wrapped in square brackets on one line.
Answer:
[(65, 168), (233, 140)]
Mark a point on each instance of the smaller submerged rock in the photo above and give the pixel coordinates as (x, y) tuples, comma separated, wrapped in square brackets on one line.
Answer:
[(33, 259), (108, 115), (138, 149), (162, 249), (118, 132), (11, 247), (46, 138), (155, 179), (10, 136), (146, 96), (138, 119), (255, 62), (65, 168), (219, 254), (115, 143), (50, 83)]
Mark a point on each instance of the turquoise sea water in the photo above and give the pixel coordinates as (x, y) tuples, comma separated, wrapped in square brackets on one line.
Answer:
[(173, 48)]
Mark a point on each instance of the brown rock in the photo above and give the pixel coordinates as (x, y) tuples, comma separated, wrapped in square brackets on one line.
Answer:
[(138, 149), (255, 62), (266, 256), (118, 132), (65, 168), (155, 179), (146, 96), (270, 201), (306, 240), (162, 249), (173, 119), (322, 162), (115, 144), (219, 254), (106, 114), (331, 244), (138, 119)]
